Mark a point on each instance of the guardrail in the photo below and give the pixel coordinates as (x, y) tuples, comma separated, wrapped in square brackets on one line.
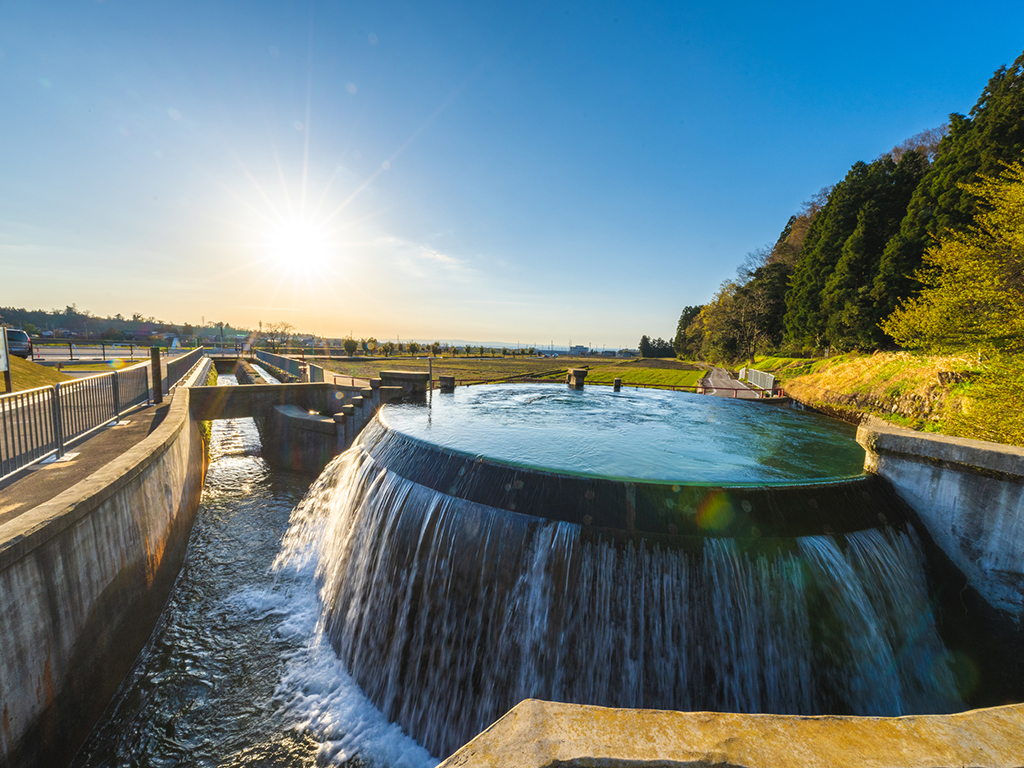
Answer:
[(39, 423), (758, 378), (286, 364), (178, 367), (82, 349)]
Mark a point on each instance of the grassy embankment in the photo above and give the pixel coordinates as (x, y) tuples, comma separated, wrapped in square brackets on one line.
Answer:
[(646, 372), (28, 375), (949, 394)]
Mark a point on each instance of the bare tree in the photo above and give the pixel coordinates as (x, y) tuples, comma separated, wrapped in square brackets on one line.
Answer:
[(926, 142)]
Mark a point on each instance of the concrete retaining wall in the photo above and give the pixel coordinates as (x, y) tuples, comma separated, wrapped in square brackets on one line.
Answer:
[(969, 496), (294, 438), (540, 734), (83, 579)]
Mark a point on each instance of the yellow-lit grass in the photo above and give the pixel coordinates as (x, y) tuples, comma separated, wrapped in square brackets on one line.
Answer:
[(28, 375)]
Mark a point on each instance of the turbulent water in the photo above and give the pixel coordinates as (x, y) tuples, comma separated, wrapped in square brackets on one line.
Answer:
[(238, 671), (448, 613)]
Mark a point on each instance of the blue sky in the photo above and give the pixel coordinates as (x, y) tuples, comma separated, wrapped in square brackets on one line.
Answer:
[(524, 171)]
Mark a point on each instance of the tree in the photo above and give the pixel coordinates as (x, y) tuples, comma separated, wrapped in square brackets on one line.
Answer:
[(973, 295), (350, 345), (656, 348), (926, 143), (830, 300), (414, 347), (680, 343), (979, 144), (645, 346), (435, 348), (277, 334)]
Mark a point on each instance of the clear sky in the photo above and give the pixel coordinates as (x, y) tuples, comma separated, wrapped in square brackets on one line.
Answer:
[(518, 171)]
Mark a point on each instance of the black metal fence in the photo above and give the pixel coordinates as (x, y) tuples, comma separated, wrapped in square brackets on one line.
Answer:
[(38, 423), (176, 369)]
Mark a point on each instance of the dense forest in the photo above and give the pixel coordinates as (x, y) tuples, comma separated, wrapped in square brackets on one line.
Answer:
[(855, 252)]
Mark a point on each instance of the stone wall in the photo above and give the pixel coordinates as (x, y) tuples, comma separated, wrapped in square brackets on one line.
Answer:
[(83, 579)]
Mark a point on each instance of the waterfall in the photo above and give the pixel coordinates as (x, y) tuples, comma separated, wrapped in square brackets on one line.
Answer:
[(449, 612)]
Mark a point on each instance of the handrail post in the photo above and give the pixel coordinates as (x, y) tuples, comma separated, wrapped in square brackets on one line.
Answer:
[(117, 397), (158, 379), (58, 426)]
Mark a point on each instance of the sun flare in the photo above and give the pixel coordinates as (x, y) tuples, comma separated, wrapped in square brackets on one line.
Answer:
[(299, 244)]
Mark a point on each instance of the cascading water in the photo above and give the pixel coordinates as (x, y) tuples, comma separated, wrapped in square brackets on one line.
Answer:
[(236, 672), (448, 612)]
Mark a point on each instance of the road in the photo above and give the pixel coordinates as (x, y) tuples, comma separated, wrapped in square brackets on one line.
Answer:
[(718, 382), (85, 351)]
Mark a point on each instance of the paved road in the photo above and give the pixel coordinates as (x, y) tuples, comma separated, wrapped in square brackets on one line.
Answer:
[(720, 383), (88, 352)]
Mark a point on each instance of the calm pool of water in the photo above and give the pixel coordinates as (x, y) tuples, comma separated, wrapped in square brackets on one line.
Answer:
[(649, 435)]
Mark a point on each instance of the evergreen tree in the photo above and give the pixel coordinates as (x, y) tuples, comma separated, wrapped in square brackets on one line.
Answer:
[(679, 343), (830, 300), (847, 299), (981, 143)]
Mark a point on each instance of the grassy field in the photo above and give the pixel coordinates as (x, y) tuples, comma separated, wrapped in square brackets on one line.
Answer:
[(471, 370), (27, 375)]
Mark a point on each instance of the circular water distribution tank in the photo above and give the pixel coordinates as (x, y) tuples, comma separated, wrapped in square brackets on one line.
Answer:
[(636, 461), (639, 549)]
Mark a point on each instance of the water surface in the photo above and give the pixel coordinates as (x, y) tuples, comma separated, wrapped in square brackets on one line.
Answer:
[(650, 435)]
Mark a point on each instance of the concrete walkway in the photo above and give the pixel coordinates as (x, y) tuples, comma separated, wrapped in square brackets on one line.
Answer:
[(719, 383), (41, 482)]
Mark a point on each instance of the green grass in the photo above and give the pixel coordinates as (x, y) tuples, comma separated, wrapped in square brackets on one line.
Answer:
[(651, 373), (648, 377), (28, 375)]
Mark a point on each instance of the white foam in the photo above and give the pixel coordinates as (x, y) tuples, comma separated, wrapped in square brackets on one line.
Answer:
[(316, 695)]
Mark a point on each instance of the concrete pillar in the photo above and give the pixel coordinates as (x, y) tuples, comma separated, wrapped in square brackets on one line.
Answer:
[(357, 404), (340, 431), (576, 377), (617, 384), (375, 386), (446, 383), (349, 412)]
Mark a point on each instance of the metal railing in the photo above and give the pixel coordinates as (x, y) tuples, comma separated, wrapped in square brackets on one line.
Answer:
[(286, 364), (38, 423), (175, 370), (27, 428), (758, 378)]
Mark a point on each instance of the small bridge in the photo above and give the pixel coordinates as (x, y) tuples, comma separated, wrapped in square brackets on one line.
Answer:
[(303, 425)]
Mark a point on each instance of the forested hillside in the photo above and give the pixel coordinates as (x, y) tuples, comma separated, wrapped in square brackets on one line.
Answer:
[(854, 252)]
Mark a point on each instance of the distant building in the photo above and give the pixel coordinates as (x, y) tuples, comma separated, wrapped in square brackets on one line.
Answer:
[(579, 350)]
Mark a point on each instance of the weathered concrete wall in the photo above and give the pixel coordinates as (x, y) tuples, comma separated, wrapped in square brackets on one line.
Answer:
[(83, 579), (294, 438), (969, 495), (538, 734), (232, 402)]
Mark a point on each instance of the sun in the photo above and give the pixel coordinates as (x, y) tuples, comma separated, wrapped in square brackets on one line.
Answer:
[(299, 244)]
